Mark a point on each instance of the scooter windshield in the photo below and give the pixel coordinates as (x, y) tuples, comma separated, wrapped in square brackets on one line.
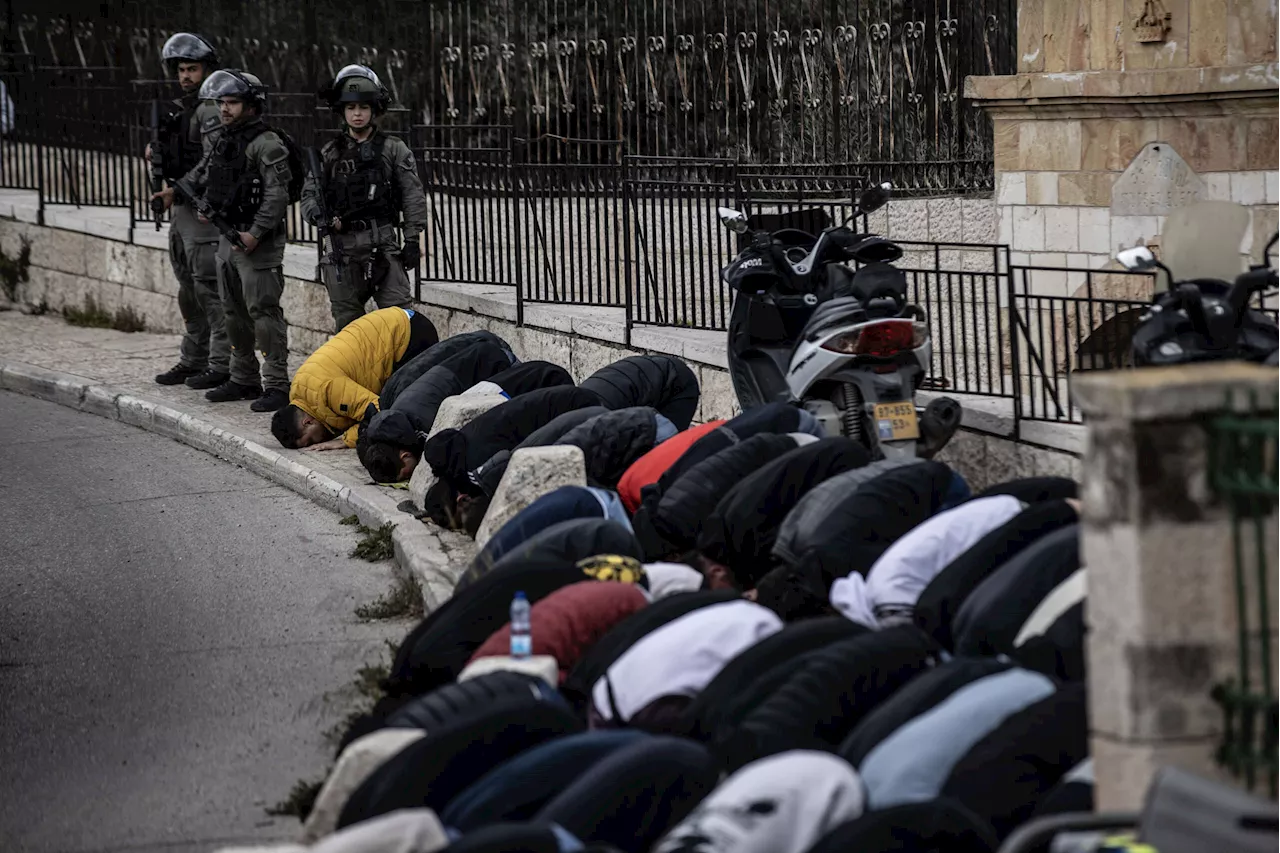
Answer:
[(1202, 240)]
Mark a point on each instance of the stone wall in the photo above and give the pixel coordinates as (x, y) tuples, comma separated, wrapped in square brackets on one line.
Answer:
[(1092, 96)]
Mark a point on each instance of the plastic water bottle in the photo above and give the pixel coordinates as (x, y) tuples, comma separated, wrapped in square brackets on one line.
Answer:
[(521, 629)]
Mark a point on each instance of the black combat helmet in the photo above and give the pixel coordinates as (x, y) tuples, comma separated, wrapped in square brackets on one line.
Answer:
[(232, 83), (188, 47), (357, 84)]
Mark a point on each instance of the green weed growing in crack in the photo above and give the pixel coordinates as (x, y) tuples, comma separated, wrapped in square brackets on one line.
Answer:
[(15, 271), (376, 544), (300, 801), (369, 686), (94, 316), (404, 601), (350, 520)]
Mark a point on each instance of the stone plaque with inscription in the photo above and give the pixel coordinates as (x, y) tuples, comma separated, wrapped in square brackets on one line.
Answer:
[(1157, 182)]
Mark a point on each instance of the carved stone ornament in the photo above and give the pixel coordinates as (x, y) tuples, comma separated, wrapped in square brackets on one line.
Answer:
[(1154, 23)]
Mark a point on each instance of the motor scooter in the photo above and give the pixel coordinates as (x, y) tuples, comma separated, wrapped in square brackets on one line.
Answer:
[(842, 343)]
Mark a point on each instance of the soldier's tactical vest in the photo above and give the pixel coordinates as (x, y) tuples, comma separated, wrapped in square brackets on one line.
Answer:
[(360, 185), (231, 186), (181, 153)]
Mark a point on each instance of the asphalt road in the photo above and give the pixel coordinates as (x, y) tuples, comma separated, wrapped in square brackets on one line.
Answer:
[(175, 636)]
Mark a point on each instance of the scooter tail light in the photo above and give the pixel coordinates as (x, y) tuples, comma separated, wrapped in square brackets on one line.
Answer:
[(885, 338), (846, 344), (919, 334)]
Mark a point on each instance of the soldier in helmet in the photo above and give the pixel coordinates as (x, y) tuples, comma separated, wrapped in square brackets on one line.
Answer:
[(188, 133), (370, 180), (245, 179)]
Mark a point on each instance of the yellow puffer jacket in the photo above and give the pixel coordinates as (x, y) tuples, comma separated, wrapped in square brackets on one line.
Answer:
[(338, 382)]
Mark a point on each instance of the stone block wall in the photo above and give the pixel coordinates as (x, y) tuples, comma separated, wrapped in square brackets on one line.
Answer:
[(1090, 95)]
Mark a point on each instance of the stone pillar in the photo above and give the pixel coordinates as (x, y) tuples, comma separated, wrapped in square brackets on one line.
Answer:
[(1100, 84), (1157, 543)]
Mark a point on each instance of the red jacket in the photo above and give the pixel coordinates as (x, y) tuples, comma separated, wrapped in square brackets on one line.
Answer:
[(648, 468), (570, 620)]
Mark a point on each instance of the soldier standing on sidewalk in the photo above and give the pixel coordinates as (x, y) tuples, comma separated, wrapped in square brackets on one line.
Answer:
[(189, 133), (370, 180), (245, 180)]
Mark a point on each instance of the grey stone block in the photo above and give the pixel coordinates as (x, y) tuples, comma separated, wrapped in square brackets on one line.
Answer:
[(357, 763), (454, 412), (543, 666), (532, 473)]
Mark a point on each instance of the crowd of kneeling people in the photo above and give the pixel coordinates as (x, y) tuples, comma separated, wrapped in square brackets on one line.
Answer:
[(764, 641)]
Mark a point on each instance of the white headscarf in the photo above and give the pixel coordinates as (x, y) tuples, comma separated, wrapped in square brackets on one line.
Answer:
[(681, 657), (781, 804), (669, 578), (907, 567)]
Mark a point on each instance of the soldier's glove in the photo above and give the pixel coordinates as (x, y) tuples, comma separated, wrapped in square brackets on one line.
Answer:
[(410, 254)]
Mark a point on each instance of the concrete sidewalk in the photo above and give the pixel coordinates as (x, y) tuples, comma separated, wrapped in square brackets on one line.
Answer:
[(111, 373)]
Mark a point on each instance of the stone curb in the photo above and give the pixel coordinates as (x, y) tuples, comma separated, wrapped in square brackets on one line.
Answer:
[(419, 551)]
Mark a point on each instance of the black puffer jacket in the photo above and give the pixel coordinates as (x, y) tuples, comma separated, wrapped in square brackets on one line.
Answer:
[(431, 771), (530, 376), (461, 699), (828, 691), (661, 382), (845, 524), (1035, 489), (942, 598), (756, 672), (776, 418), (740, 533), (568, 542), (612, 441), (489, 475), (692, 497), (991, 616), (424, 361), (452, 453), (413, 412)]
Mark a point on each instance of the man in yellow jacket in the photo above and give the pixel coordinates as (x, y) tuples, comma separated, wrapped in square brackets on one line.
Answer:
[(336, 385)]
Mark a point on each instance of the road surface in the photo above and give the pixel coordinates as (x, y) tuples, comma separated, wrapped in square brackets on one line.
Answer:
[(175, 636)]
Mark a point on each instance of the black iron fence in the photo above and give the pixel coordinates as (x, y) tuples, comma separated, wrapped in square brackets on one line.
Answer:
[(876, 83)]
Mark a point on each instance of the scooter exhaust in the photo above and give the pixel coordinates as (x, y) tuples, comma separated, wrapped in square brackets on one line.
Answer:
[(938, 423)]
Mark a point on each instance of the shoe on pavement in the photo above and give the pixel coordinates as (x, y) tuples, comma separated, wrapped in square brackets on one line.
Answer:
[(207, 379), (271, 400), (229, 391), (177, 374)]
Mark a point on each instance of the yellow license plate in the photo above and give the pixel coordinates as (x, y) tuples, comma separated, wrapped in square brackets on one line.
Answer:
[(897, 421)]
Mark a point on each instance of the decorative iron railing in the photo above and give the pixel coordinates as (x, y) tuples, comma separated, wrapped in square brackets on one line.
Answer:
[(869, 83)]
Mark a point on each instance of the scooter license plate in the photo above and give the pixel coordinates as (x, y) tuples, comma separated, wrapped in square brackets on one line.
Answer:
[(897, 421)]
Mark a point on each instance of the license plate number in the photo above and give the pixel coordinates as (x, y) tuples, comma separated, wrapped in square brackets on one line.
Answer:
[(897, 421)]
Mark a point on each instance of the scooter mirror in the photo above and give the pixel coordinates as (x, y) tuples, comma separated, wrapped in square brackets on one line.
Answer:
[(874, 198), (734, 220), (1137, 259)]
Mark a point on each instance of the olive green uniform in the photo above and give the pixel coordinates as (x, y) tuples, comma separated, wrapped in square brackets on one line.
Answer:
[(192, 246), (251, 284), (369, 248)]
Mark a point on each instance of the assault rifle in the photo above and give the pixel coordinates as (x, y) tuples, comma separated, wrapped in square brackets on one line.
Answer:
[(325, 228), (156, 164), (202, 206)]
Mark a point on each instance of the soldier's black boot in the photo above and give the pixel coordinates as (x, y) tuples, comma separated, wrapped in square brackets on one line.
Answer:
[(271, 400), (207, 379), (229, 391), (177, 374)]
